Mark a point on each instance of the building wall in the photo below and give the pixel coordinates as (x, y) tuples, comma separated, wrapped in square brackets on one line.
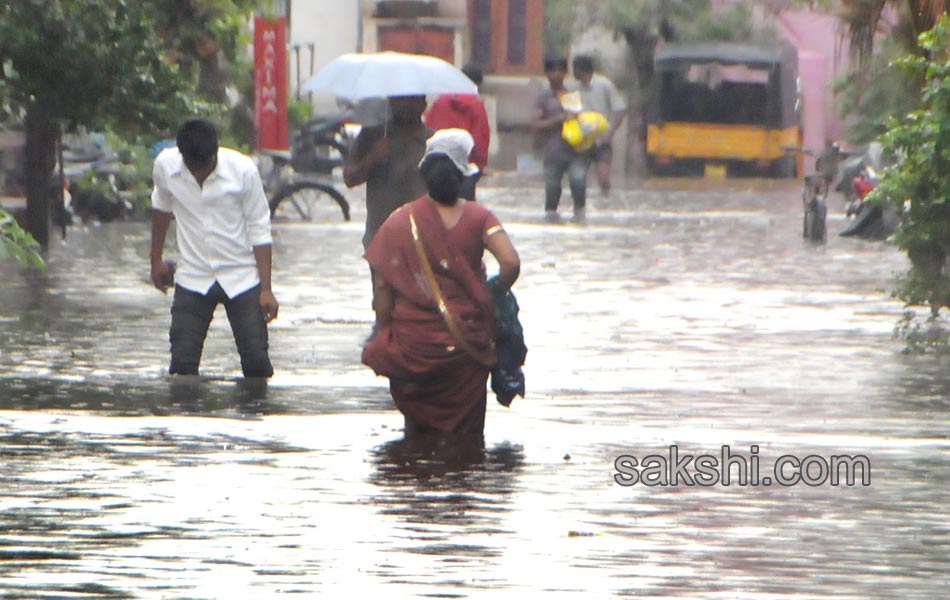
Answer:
[(442, 32), (451, 9), (320, 30), (822, 56), (495, 54)]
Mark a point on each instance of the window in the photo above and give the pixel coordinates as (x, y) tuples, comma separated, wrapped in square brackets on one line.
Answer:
[(517, 31), (481, 33)]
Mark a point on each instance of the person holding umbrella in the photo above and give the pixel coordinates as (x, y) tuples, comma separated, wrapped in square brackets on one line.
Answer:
[(386, 157)]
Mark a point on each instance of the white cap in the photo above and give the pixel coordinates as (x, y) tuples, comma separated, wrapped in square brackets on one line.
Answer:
[(455, 143)]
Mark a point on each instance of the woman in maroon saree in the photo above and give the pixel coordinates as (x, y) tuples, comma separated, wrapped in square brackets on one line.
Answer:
[(434, 311)]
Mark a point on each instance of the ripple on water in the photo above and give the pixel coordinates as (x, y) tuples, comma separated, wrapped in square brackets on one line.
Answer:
[(687, 313)]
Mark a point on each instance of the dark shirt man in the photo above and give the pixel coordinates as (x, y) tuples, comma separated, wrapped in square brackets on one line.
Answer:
[(559, 156), (829, 160), (386, 158)]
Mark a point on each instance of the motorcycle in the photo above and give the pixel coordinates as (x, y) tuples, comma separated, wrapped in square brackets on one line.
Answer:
[(94, 180), (871, 220), (853, 174)]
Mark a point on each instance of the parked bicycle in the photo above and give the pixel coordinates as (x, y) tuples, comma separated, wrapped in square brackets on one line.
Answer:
[(299, 183)]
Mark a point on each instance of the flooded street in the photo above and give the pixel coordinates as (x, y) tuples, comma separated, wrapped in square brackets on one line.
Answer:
[(686, 313)]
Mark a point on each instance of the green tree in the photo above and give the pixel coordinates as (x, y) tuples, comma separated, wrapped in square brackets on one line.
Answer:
[(863, 21), (875, 92), (91, 62), (878, 33), (917, 140), (16, 243), (920, 176), (208, 40), (202, 37)]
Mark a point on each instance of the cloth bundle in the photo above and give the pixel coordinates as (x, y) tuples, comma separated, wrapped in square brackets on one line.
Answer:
[(507, 378)]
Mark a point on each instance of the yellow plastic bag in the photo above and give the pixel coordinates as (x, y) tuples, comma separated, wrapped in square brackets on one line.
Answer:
[(583, 130)]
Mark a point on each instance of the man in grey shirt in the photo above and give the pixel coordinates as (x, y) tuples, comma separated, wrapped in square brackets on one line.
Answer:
[(599, 94), (386, 158), (559, 156)]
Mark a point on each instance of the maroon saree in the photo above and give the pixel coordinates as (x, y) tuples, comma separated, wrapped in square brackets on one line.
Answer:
[(437, 380)]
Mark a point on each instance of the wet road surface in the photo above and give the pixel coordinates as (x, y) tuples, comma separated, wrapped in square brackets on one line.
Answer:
[(687, 313)]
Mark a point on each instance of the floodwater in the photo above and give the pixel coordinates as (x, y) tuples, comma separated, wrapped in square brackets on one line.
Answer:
[(685, 313)]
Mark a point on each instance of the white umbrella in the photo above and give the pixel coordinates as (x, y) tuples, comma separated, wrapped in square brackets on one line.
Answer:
[(381, 74)]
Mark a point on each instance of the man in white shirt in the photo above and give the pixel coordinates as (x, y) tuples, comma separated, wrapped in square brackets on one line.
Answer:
[(224, 238), (599, 94)]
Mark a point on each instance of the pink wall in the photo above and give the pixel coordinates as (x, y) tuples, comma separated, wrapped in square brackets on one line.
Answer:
[(822, 56), (813, 71)]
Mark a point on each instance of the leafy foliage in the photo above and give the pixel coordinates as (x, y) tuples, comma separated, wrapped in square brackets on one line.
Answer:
[(875, 93), (863, 19), (131, 175), (879, 31), (682, 20), (559, 18), (298, 113), (919, 143), (16, 243), (208, 40), (134, 67), (82, 62), (92, 62)]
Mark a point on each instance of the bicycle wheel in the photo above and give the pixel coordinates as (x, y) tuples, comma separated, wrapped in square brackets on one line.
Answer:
[(308, 201)]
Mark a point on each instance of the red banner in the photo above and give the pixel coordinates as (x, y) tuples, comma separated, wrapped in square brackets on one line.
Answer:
[(270, 83)]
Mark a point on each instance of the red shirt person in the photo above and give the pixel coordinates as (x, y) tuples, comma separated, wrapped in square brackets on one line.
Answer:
[(862, 186), (464, 111)]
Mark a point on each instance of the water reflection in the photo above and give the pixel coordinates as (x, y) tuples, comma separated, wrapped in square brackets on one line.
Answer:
[(687, 312), (192, 394), (432, 476), (450, 498)]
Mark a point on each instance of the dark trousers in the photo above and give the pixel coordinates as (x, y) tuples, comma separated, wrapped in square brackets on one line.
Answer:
[(576, 169), (191, 315)]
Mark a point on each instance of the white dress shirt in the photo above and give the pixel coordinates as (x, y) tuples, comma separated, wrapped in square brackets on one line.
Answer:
[(217, 224)]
